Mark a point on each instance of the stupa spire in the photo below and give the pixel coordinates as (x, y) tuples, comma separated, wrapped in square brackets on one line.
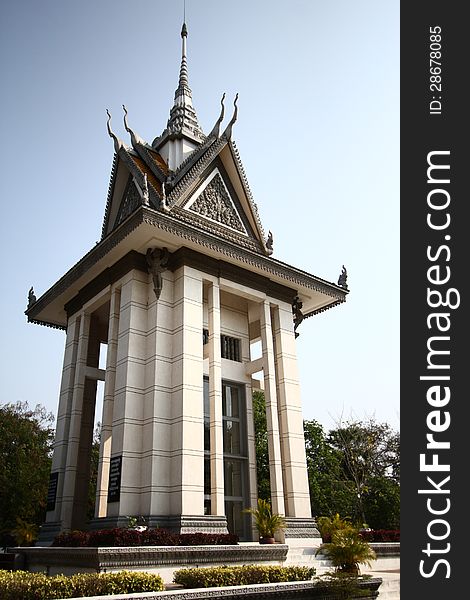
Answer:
[(183, 118)]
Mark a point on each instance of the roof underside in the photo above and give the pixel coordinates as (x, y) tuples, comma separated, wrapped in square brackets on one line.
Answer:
[(146, 228)]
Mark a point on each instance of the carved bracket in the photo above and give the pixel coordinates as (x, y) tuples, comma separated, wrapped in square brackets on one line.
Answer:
[(157, 261)]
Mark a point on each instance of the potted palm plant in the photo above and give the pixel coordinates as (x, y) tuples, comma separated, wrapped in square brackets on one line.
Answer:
[(347, 550), (266, 522)]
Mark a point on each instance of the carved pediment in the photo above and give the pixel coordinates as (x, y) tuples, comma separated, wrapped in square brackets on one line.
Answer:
[(214, 203), (132, 199)]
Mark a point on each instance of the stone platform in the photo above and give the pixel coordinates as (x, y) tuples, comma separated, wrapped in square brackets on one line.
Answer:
[(163, 560)]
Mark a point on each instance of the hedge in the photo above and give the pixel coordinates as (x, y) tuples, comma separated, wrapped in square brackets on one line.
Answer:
[(22, 585), (244, 575), (374, 535), (381, 535), (149, 537)]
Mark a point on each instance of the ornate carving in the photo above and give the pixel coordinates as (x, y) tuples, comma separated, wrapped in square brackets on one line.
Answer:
[(269, 243), (343, 278), (157, 260), (109, 197), (145, 191), (165, 222), (131, 201), (31, 297), (214, 203), (199, 158), (297, 312)]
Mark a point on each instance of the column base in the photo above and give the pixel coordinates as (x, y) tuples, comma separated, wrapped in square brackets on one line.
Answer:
[(301, 528), (47, 532)]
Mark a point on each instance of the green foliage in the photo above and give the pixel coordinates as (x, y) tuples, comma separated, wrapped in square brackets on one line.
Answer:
[(25, 533), (21, 585), (328, 525), (382, 503), (26, 438), (261, 445), (347, 550), (368, 450), (125, 536), (266, 522), (354, 470), (330, 491), (244, 575)]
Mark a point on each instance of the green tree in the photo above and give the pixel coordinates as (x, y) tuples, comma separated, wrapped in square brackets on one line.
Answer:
[(261, 446), (370, 452), (382, 503), (26, 438), (330, 492)]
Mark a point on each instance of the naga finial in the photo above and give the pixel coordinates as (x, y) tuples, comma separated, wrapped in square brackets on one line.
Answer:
[(117, 142), (269, 243), (31, 297), (216, 129), (343, 278), (135, 137), (228, 130)]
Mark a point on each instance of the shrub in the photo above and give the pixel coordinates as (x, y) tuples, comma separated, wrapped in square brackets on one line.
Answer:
[(71, 539), (385, 535), (328, 525), (347, 550), (21, 585), (159, 537), (131, 537), (244, 575), (114, 537), (266, 522), (207, 539)]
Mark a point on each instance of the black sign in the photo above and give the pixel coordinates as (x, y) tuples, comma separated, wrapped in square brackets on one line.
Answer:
[(114, 486), (52, 491)]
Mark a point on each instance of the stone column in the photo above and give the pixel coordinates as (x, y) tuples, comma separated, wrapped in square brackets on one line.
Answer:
[(70, 475), (59, 457), (187, 452), (108, 405), (127, 425), (274, 449), (296, 491), (157, 405), (215, 400)]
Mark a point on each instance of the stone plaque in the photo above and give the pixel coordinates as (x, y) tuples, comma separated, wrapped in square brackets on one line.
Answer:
[(114, 486), (52, 491)]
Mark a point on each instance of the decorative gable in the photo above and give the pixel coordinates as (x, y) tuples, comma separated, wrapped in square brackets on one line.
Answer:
[(132, 199), (213, 201)]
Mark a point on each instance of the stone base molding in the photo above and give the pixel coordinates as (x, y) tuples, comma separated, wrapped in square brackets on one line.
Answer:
[(301, 528), (174, 523), (152, 558)]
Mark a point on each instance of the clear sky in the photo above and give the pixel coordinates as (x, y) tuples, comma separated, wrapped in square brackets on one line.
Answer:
[(318, 134)]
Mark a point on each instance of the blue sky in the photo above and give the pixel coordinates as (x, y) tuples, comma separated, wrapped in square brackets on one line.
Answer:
[(318, 134)]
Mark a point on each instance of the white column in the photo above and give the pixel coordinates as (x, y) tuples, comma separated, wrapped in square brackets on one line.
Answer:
[(59, 458), (108, 405), (215, 400), (129, 392), (156, 459), (187, 455), (296, 491), (274, 449), (70, 476)]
